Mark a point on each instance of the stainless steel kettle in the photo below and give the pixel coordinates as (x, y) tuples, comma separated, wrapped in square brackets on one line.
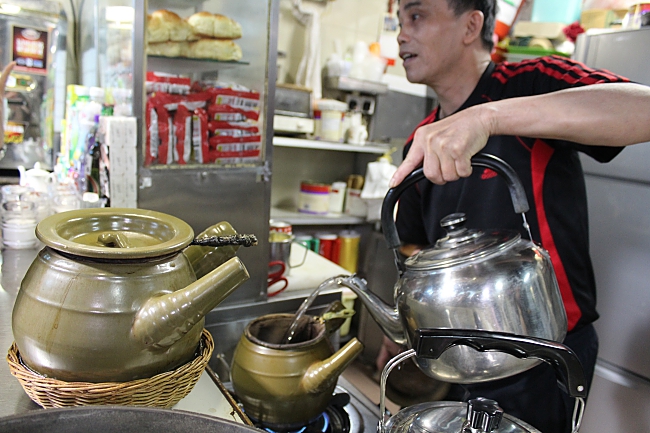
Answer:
[(490, 280), (480, 415)]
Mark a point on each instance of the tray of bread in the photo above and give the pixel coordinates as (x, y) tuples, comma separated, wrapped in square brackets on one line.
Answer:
[(203, 36)]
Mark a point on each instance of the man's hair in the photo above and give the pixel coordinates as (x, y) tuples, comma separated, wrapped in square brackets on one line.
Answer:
[(488, 7)]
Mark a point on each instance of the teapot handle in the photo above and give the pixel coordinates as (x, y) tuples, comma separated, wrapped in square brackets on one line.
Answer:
[(431, 343), (517, 193)]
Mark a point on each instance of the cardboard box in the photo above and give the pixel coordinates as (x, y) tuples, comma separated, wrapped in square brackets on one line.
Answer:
[(601, 18)]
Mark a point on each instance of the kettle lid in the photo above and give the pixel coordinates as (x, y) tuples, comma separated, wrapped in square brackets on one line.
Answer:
[(483, 415), (462, 245), (115, 233)]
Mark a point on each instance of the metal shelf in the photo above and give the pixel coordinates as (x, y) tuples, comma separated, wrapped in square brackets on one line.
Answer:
[(296, 218), (189, 65), (329, 145), (350, 84)]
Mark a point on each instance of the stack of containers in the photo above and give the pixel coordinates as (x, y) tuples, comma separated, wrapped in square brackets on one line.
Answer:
[(120, 138), (328, 116)]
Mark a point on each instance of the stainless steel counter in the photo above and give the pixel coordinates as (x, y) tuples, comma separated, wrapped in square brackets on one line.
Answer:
[(15, 263)]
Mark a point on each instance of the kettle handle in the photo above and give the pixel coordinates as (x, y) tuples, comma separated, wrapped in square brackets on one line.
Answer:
[(517, 193), (431, 343)]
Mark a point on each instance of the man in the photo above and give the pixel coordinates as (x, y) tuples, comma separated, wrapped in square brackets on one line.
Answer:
[(536, 115)]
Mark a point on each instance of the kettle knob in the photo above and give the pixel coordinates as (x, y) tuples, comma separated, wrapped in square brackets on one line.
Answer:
[(454, 222), (484, 414)]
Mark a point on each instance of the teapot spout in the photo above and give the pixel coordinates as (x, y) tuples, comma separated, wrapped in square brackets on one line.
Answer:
[(204, 259), (322, 374), (386, 316), (163, 320)]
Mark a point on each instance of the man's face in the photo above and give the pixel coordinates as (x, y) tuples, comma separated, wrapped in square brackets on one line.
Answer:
[(430, 39)]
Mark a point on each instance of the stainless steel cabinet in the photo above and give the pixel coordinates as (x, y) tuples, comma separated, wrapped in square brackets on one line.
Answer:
[(112, 55)]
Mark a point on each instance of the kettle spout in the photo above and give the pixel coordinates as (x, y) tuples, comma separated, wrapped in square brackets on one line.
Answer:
[(386, 316), (163, 320), (323, 374)]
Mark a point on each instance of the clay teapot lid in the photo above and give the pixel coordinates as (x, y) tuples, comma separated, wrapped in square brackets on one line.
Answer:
[(115, 233)]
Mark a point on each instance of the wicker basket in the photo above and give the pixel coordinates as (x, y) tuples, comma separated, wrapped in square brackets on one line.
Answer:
[(162, 390)]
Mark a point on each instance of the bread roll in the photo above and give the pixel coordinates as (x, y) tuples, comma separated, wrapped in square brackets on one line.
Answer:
[(215, 49), (164, 25), (167, 49), (215, 25)]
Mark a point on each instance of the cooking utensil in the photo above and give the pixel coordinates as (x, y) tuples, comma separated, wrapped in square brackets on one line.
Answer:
[(471, 279), (118, 419), (112, 297), (481, 415), (286, 385)]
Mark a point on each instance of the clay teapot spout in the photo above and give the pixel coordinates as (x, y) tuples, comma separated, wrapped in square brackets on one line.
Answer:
[(163, 320), (386, 316), (204, 258), (324, 373)]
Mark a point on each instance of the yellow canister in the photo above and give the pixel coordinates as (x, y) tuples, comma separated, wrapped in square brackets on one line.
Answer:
[(348, 241)]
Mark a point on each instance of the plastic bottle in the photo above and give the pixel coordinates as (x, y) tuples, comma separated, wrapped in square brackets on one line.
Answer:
[(507, 11), (123, 102), (88, 175)]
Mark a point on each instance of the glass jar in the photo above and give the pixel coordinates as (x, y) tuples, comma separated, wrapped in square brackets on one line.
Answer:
[(19, 224), (12, 192), (42, 205)]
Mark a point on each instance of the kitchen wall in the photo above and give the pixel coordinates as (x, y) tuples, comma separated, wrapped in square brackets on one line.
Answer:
[(345, 20)]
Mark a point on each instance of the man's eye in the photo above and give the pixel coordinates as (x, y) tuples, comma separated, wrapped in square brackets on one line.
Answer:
[(415, 17)]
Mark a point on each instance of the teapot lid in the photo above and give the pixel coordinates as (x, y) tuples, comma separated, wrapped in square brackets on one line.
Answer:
[(483, 415), (461, 245), (115, 233)]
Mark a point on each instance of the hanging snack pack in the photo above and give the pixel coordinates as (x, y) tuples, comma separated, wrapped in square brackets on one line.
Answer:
[(201, 123)]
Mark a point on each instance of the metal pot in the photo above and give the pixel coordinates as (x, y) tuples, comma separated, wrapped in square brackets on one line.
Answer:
[(480, 415), (118, 419), (287, 385), (112, 296), (471, 279)]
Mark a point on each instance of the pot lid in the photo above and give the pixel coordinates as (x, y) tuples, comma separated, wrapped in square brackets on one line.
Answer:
[(461, 245), (450, 417), (115, 233)]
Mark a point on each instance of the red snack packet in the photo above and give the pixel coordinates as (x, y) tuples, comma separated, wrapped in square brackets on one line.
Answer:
[(166, 133), (220, 140), (227, 113), (153, 139), (183, 133), (234, 129), (242, 98), (160, 82), (200, 135)]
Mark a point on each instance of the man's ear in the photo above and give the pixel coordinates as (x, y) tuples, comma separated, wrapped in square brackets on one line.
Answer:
[(473, 26)]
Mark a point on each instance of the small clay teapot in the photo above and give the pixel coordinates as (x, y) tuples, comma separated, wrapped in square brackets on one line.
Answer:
[(287, 385), (112, 297)]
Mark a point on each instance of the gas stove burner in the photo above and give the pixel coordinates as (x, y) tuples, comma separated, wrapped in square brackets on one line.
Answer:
[(334, 419)]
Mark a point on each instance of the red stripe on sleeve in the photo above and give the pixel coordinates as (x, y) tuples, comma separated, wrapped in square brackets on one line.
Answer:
[(539, 161), (569, 71)]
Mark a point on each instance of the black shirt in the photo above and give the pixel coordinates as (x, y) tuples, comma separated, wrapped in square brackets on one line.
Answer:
[(550, 171)]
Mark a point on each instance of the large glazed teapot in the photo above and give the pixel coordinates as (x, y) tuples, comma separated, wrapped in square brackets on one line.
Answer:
[(470, 279), (113, 297)]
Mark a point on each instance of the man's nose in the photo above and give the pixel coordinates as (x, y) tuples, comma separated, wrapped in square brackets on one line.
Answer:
[(402, 36)]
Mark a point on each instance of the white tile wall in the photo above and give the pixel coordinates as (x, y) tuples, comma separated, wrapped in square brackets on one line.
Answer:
[(347, 21)]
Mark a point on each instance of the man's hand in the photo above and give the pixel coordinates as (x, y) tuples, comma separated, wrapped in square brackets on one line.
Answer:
[(445, 148)]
